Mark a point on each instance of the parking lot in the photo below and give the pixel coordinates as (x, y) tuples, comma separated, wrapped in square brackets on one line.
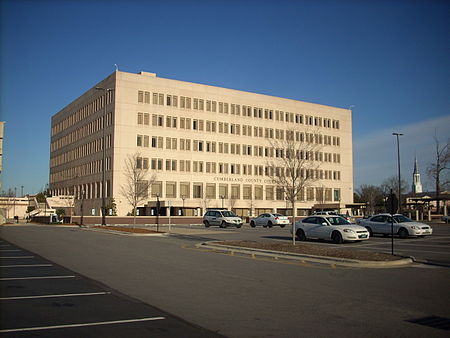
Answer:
[(233, 295), (434, 249), (40, 299)]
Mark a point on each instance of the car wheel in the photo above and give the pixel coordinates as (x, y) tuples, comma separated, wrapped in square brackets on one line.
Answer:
[(223, 224), (270, 224), (403, 233), (252, 224), (282, 225), (301, 235), (206, 224), (337, 237), (265, 225), (238, 226), (369, 229)]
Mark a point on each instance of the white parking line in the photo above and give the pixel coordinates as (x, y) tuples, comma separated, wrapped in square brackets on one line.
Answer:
[(81, 324), (16, 257), (37, 277), (5, 244), (24, 265), (55, 296)]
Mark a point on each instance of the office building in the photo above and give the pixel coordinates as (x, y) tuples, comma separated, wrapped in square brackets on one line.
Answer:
[(206, 147)]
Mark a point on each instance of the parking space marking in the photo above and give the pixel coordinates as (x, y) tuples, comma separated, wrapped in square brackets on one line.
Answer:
[(60, 295), (16, 257), (36, 277), (25, 265), (82, 324)]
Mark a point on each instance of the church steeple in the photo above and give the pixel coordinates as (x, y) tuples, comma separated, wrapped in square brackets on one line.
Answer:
[(416, 186)]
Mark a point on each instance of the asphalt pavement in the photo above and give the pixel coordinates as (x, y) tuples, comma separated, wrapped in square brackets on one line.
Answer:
[(233, 295), (41, 299)]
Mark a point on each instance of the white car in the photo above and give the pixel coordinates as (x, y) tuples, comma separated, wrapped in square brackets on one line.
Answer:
[(269, 220), (330, 227), (403, 226), (222, 218)]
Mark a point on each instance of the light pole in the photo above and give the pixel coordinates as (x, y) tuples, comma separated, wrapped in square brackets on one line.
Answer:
[(399, 179), (81, 206), (222, 197), (21, 195), (106, 91), (15, 195), (183, 197), (157, 212)]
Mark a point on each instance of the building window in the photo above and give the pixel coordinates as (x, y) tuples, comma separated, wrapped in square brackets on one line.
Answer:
[(258, 192), (235, 191), (247, 192), (197, 190), (210, 191), (223, 190), (157, 189), (184, 190), (269, 193), (171, 189)]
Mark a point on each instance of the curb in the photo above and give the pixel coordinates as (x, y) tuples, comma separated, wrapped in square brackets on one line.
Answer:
[(309, 258), (124, 233)]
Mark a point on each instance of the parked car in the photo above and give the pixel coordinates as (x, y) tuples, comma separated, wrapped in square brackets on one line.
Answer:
[(347, 217), (329, 227), (269, 220), (222, 218), (446, 219), (334, 213), (403, 226)]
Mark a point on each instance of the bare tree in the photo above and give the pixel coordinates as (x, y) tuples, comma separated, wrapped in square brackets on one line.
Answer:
[(371, 195), (392, 183), (205, 201), (435, 170), (295, 164), (136, 187)]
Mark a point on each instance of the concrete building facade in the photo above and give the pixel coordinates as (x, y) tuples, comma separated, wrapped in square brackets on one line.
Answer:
[(207, 147)]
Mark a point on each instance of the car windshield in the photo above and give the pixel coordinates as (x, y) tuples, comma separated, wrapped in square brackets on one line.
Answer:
[(402, 219), (228, 214), (336, 220), (278, 215)]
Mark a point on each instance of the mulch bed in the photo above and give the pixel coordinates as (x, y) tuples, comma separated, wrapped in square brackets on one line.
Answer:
[(312, 249), (126, 229)]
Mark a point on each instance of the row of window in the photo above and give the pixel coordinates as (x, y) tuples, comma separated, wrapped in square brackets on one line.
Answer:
[(230, 148), (82, 132), (235, 109), (89, 168), (159, 164), (81, 151), (83, 112), (234, 129), (212, 191), (207, 191)]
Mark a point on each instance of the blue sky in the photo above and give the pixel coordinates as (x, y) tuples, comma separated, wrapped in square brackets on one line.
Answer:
[(390, 59)]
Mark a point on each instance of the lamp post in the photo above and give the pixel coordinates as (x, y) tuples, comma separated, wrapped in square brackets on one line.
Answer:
[(399, 179), (106, 91), (183, 197), (15, 195), (222, 197), (157, 212), (81, 206)]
